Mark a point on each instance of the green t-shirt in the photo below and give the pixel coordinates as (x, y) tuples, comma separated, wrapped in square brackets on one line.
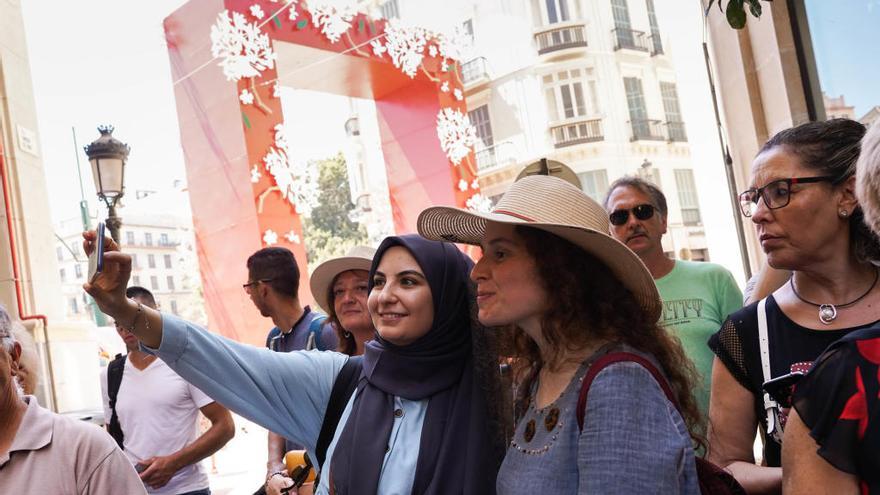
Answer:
[(697, 297)]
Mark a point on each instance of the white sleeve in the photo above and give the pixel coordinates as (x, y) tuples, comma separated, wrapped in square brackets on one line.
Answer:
[(105, 398), (199, 398)]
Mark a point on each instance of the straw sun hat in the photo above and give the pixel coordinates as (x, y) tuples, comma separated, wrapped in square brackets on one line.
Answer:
[(357, 258), (553, 205)]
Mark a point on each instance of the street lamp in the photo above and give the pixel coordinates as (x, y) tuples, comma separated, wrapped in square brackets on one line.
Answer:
[(107, 156)]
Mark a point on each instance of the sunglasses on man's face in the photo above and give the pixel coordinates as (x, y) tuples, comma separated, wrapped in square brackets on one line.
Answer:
[(641, 212)]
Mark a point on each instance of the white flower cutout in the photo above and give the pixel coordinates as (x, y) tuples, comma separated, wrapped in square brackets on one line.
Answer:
[(406, 46), (257, 11), (242, 48), (291, 13), (458, 94), (255, 174), (297, 181), (276, 90), (432, 51), (378, 48), (444, 66), (462, 185), (332, 16), (475, 184), (457, 135), (445, 87), (479, 203), (270, 237), (246, 97), (292, 237)]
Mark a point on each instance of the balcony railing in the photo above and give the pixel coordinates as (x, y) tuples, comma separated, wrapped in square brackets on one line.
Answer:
[(676, 132), (585, 131), (656, 44), (561, 38), (629, 39), (647, 130), (474, 70), (495, 157)]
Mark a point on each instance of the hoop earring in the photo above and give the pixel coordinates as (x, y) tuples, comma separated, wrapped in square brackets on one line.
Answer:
[(346, 334)]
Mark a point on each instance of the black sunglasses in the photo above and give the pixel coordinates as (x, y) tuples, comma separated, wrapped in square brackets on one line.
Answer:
[(620, 217)]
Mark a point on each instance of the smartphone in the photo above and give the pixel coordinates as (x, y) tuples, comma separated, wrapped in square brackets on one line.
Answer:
[(96, 259), (782, 387)]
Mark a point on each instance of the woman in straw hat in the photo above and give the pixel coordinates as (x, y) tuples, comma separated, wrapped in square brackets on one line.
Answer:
[(420, 419), (573, 294), (340, 288)]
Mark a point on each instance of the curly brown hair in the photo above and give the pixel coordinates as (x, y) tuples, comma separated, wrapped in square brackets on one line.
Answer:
[(590, 304)]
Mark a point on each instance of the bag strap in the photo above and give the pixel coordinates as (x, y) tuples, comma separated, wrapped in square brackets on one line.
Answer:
[(343, 387), (114, 380), (314, 339), (609, 359), (770, 405)]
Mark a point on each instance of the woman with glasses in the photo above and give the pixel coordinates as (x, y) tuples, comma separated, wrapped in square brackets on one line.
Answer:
[(807, 218)]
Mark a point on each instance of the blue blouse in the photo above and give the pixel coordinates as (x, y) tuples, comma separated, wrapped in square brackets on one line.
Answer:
[(286, 393)]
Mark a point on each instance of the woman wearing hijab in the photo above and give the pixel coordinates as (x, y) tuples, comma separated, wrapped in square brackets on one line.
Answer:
[(417, 420)]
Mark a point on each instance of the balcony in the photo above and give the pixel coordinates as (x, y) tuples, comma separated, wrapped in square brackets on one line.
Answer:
[(629, 39), (691, 216), (676, 133), (561, 38), (647, 130), (495, 157), (474, 71), (578, 132), (656, 44)]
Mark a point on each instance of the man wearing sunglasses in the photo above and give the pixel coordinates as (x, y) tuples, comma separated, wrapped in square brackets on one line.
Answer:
[(697, 296)]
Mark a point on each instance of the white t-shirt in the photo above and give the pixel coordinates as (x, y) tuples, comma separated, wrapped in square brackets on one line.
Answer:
[(158, 412)]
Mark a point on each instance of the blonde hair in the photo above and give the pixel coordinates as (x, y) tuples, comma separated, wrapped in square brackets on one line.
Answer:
[(868, 178)]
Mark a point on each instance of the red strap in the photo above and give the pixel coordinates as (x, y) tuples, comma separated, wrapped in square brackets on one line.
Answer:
[(617, 357)]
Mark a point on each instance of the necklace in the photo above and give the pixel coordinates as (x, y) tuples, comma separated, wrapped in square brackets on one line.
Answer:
[(828, 312)]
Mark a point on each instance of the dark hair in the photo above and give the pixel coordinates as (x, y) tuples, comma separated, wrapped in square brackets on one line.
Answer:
[(278, 266), (832, 148), (347, 344), (590, 303), (138, 292), (657, 196)]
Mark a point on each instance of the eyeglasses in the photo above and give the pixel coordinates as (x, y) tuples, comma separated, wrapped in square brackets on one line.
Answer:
[(247, 286), (776, 194), (620, 217)]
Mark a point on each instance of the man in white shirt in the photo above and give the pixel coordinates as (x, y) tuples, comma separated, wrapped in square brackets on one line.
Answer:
[(157, 415)]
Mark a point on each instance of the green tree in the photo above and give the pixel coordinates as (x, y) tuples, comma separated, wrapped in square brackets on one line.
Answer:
[(329, 232)]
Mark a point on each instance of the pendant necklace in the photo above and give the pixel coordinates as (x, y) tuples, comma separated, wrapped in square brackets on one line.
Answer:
[(828, 312)]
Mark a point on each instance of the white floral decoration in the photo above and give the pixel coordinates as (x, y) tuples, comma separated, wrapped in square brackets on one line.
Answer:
[(276, 90), (462, 185), (270, 237), (333, 16), (291, 12), (444, 66), (406, 46), (455, 45), (378, 48), (243, 49), (445, 87), (458, 94), (475, 184), (479, 203), (457, 135), (246, 97), (255, 174), (257, 11), (297, 181), (432, 51), (292, 237)]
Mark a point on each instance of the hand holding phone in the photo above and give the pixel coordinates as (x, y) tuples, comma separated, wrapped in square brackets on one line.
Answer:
[(96, 258), (782, 388)]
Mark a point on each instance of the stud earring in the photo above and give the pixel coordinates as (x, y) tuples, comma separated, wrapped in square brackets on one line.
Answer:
[(843, 213)]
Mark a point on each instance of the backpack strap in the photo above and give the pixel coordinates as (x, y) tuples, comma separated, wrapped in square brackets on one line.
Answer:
[(609, 359), (771, 407), (114, 380), (343, 387), (314, 339)]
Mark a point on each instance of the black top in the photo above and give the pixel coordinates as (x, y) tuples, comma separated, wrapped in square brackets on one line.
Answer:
[(791, 346), (838, 402)]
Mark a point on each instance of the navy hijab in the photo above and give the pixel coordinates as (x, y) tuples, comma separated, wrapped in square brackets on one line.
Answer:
[(456, 455)]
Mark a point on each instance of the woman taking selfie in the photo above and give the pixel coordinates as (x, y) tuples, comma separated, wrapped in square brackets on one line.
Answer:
[(573, 295), (419, 420)]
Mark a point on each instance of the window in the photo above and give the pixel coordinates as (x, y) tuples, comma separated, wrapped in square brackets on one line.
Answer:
[(154, 282), (564, 93), (674, 123), (148, 239), (638, 115), (136, 280), (163, 240), (170, 281), (479, 118), (174, 306), (151, 261), (134, 260), (467, 27), (167, 258), (129, 238), (74, 305), (623, 28), (687, 196), (77, 269), (656, 43), (63, 275), (59, 253), (595, 184), (389, 10), (557, 11)]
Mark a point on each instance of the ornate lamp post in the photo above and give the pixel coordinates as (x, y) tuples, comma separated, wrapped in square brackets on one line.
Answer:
[(108, 156)]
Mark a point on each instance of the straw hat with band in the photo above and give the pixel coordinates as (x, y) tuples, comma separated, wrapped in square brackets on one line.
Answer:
[(357, 258), (553, 205)]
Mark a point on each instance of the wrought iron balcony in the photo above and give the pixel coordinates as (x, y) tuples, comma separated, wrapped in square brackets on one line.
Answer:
[(676, 132), (495, 157), (656, 44), (577, 132), (474, 70), (647, 130), (629, 39), (560, 38)]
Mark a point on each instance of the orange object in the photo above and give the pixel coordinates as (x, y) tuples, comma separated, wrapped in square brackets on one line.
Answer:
[(297, 461)]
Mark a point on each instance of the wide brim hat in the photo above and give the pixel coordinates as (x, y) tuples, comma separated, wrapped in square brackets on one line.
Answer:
[(357, 258), (555, 206)]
